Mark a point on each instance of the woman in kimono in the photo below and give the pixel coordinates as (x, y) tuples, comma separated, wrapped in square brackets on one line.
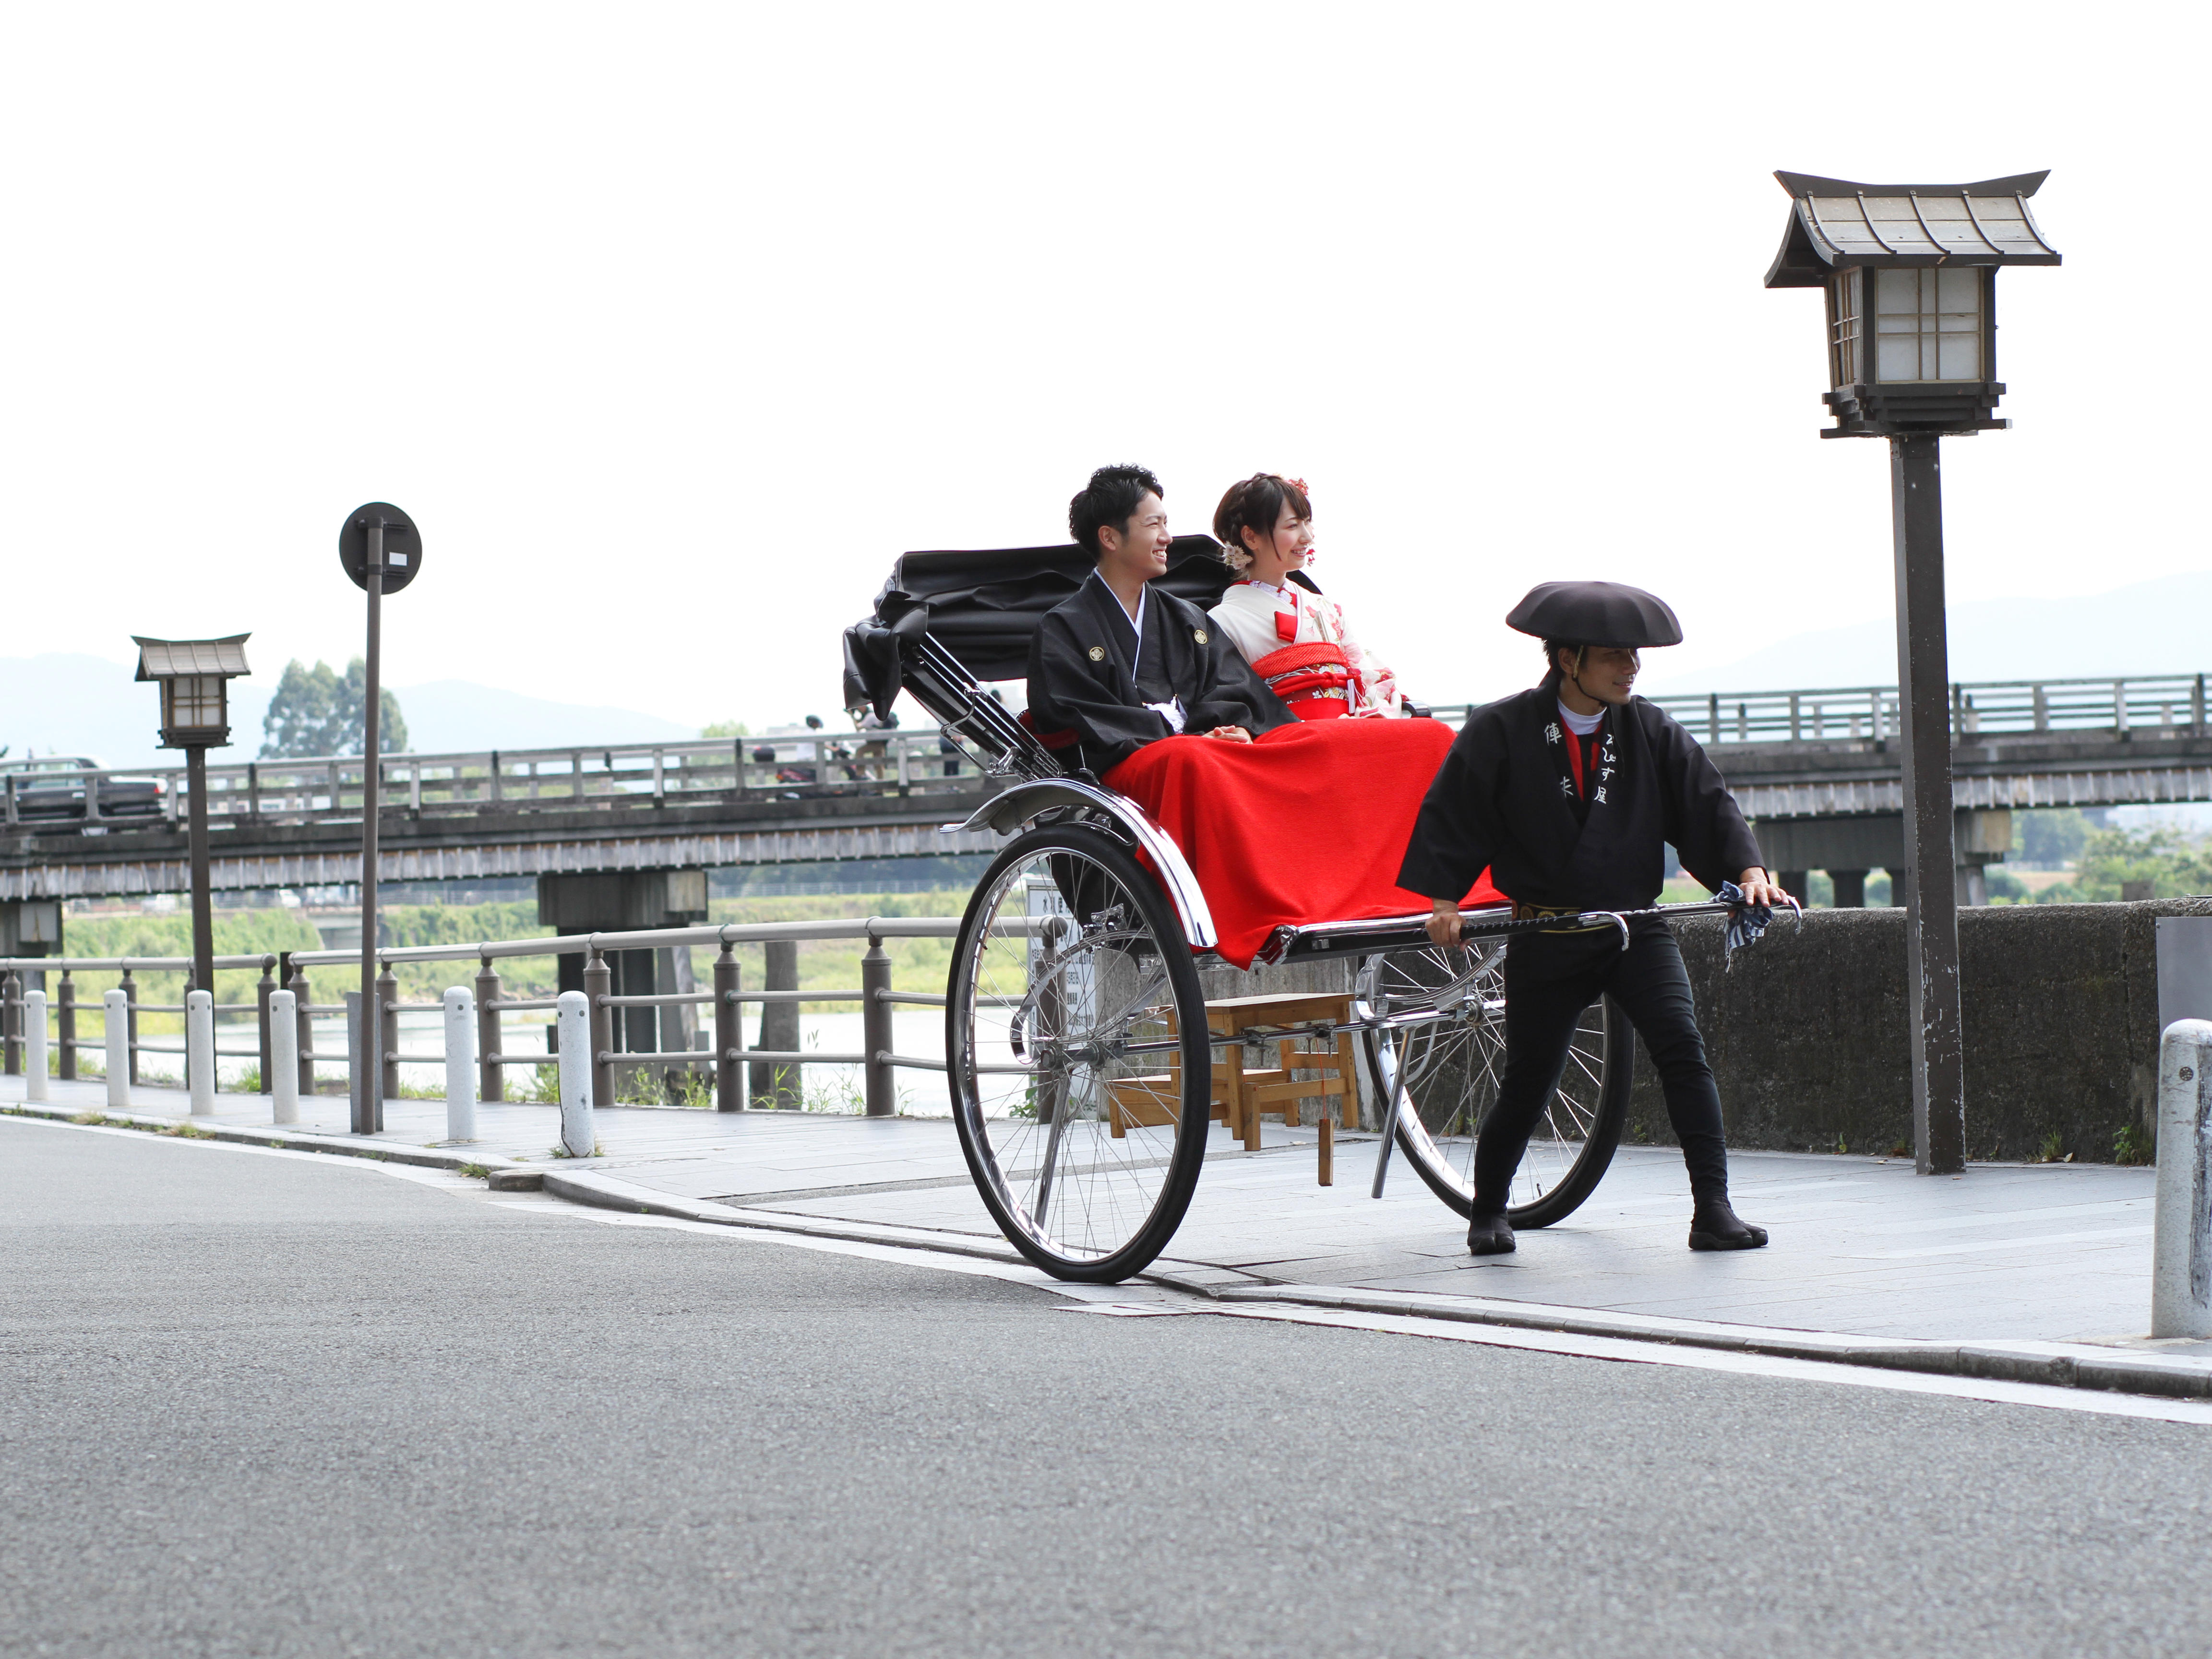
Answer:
[(1570, 792), (1296, 641)]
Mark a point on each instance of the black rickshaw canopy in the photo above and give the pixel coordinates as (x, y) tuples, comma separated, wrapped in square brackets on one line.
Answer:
[(984, 605)]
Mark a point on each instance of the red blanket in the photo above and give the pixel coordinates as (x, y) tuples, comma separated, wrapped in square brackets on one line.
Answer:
[(1310, 823)]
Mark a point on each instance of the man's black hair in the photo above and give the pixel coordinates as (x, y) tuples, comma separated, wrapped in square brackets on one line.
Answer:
[(1553, 673), (1111, 498)]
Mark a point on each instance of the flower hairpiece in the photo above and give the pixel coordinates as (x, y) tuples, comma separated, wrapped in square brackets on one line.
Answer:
[(1299, 484)]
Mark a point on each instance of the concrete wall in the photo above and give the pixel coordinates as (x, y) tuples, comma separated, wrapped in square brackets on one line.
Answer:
[(1808, 1037)]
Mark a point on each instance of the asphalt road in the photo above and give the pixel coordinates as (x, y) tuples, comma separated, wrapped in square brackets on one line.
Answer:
[(256, 1405)]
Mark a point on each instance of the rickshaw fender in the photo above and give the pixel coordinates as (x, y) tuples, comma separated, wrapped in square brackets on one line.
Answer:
[(1006, 813)]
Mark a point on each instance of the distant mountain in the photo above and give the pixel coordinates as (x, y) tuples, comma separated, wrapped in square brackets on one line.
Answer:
[(75, 704), (2127, 631)]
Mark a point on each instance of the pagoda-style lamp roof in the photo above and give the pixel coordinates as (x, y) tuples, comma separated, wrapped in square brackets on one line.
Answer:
[(1834, 223), (165, 659)]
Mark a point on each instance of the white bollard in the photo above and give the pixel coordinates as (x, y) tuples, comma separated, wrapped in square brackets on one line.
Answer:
[(460, 1064), (199, 1050), (574, 1022), (2181, 1258), (34, 1034), (283, 1057), (115, 1011)]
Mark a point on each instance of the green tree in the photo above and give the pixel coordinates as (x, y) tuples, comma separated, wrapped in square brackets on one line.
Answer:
[(2173, 864), (727, 729), (299, 716), (2050, 838), (317, 711)]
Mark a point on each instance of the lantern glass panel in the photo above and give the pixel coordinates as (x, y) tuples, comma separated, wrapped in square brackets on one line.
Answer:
[(1848, 292), (1927, 324), (194, 703)]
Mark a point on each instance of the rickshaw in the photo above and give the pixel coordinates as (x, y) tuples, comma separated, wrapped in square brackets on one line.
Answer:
[(1078, 1052)]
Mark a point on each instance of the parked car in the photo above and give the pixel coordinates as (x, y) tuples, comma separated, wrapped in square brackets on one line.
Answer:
[(51, 788)]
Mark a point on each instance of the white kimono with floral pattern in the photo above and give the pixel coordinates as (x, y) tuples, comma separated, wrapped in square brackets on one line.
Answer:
[(1268, 623)]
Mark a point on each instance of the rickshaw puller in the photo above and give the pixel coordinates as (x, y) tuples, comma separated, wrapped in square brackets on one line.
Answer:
[(1569, 792)]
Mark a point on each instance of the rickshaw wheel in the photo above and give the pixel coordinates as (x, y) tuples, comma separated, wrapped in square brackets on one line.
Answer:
[(1079, 1062), (1454, 1065)]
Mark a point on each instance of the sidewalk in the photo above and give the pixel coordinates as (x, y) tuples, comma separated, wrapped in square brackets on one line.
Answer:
[(1862, 1247)]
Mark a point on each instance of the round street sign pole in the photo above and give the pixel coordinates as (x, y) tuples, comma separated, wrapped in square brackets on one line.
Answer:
[(380, 548)]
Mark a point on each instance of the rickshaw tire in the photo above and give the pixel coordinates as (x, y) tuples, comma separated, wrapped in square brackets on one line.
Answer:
[(1189, 1157)]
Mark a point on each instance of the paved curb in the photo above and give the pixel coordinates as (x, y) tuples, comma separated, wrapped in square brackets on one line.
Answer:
[(2053, 1365), (2050, 1365), (274, 1135), (613, 1193)]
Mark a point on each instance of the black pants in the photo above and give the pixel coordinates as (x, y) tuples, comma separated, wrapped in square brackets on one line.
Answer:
[(1550, 979)]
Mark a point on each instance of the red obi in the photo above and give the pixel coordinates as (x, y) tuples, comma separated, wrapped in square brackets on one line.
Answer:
[(1314, 680)]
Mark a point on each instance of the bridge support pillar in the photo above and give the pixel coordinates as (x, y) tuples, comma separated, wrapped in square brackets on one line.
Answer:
[(622, 901), (1850, 889), (1794, 883), (30, 927)]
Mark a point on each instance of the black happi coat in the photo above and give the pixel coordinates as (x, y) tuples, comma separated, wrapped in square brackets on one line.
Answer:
[(1505, 798), (1086, 677)]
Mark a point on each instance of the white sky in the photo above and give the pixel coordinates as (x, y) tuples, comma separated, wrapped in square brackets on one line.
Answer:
[(672, 325)]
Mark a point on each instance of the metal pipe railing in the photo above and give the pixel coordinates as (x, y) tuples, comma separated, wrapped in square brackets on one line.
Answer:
[(727, 1060), (2169, 704), (598, 777)]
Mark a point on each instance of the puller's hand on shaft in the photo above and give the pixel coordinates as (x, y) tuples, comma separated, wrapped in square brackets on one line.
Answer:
[(1759, 888), (1443, 924)]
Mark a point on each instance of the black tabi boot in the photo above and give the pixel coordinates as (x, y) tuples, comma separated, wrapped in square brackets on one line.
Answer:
[(1715, 1226), (1492, 1235)]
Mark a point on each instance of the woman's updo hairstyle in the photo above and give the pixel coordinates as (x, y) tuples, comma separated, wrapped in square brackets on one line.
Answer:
[(1255, 505)]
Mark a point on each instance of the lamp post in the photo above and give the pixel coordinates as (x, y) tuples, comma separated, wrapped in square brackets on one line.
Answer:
[(195, 678), (1910, 275)]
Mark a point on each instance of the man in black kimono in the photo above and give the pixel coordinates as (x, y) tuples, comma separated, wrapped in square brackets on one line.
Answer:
[(1569, 794), (1119, 664)]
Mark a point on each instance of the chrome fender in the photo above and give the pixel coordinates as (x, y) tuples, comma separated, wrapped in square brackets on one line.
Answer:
[(1007, 812)]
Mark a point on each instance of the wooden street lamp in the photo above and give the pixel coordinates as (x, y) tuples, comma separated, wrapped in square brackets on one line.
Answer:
[(195, 678), (1910, 275)]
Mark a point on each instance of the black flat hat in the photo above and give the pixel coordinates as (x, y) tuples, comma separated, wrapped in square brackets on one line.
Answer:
[(1596, 613)]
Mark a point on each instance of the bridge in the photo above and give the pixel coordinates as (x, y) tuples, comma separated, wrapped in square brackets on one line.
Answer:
[(1817, 770)]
